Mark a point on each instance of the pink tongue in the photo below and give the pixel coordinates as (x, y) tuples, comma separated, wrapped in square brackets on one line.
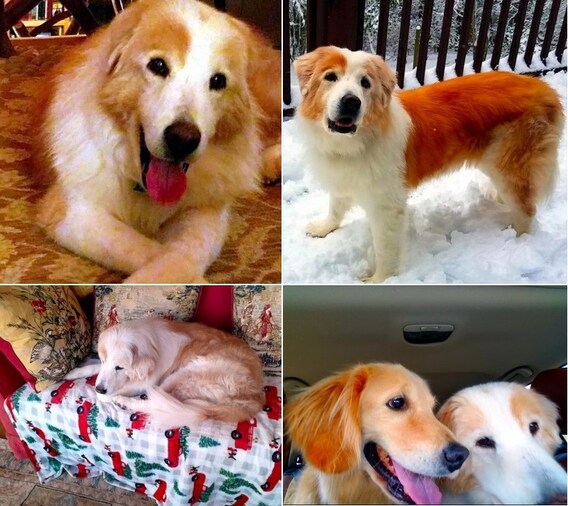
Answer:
[(165, 181), (421, 489)]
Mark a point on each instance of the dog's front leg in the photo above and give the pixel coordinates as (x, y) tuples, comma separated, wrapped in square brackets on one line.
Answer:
[(388, 225), (338, 206), (96, 235), (130, 403), (193, 241)]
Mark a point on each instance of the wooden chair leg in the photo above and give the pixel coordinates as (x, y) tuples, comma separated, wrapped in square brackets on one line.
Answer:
[(83, 15), (6, 48)]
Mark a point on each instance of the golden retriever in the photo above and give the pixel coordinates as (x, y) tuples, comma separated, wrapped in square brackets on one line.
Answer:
[(369, 145), (369, 436), (511, 434), (179, 373), (150, 130)]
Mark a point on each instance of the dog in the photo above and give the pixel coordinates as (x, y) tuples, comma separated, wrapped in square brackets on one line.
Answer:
[(511, 434), (369, 436), (369, 145), (150, 130), (179, 373)]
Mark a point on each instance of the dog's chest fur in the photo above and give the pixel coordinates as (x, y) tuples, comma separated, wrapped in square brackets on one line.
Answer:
[(363, 166)]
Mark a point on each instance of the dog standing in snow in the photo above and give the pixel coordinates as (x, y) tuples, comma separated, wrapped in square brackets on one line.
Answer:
[(369, 145)]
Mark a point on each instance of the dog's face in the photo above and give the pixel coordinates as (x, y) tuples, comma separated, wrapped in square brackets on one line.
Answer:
[(343, 90), (126, 360), (511, 433), (177, 82), (377, 417)]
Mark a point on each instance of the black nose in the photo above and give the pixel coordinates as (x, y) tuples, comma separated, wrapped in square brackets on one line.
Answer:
[(100, 389), (350, 105), (454, 456), (181, 139)]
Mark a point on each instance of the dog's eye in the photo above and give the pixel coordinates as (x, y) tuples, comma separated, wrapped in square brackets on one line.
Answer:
[(218, 82), (397, 403), (533, 427), (485, 442), (159, 67), (118, 368), (365, 82), (330, 76)]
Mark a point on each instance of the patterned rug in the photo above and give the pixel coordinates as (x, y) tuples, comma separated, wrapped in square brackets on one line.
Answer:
[(251, 254), (19, 486)]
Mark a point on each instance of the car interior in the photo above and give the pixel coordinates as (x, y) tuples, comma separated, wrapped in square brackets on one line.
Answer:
[(452, 336)]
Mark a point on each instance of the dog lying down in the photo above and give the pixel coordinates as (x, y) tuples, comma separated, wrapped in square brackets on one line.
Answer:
[(511, 434), (179, 373)]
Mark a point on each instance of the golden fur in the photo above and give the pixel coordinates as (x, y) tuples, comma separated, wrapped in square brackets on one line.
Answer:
[(331, 422), (105, 97), (188, 371)]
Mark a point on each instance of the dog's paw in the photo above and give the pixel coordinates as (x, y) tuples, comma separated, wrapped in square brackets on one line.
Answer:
[(120, 401), (375, 278), (320, 228)]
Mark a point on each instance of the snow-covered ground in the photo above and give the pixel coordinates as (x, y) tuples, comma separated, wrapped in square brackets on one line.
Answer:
[(457, 232)]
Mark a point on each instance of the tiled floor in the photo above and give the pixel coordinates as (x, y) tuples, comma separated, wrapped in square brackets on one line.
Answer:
[(19, 486)]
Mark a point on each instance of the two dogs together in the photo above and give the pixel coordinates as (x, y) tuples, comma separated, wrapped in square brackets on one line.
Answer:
[(369, 435)]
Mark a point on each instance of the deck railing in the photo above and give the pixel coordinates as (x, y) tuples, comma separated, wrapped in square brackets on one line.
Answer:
[(341, 23)]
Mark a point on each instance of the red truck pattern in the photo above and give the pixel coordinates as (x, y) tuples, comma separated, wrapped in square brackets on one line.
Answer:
[(174, 466)]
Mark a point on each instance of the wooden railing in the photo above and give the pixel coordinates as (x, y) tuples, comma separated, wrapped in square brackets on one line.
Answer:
[(340, 22)]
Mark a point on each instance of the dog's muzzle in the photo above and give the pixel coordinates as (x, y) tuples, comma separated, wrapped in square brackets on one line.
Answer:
[(347, 114)]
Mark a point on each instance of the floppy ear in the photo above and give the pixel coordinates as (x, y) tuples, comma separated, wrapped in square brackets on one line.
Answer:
[(324, 421), (142, 364), (305, 65), (120, 32), (446, 413), (385, 76)]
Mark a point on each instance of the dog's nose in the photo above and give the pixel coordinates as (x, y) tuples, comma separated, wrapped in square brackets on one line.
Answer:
[(454, 456), (101, 390), (350, 104), (181, 139)]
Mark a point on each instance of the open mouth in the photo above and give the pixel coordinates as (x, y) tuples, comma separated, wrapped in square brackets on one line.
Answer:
[(342, 125), (164, 180), (404, 485)]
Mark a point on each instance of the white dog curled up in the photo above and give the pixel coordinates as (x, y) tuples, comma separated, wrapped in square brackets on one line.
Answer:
[(179, 373)]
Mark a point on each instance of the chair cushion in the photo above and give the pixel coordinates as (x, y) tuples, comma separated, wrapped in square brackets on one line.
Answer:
[(119, 303), (43, 332), (257, 320)]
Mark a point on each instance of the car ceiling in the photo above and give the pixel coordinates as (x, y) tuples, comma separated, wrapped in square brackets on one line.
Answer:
[(496, 330)]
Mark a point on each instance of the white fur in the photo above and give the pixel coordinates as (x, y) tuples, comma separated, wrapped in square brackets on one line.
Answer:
[(189, 372), (520, 469), (367, 170)]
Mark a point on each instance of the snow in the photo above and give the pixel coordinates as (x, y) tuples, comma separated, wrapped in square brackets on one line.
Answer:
[(457, 232)]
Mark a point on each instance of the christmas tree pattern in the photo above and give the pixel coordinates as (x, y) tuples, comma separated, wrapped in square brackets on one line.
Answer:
[(207, 442), (16, 397), (206, 494), (92, 420), (143, 468), (68, 443), (54, 464), (33, 397), (234, 482), (177, 490), (111, 422), (184, 440)]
